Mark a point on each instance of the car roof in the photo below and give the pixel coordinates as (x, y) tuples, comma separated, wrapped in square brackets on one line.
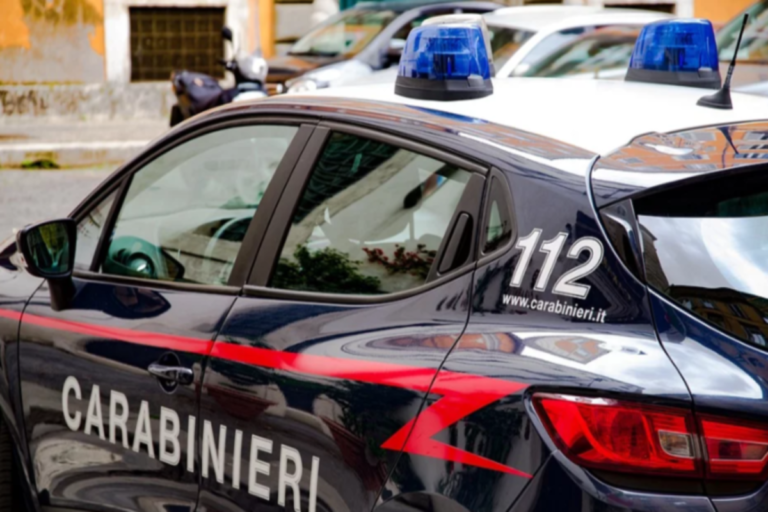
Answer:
[(407, 5), (534, 17), (608, 17), (537, 18), (596, 115)]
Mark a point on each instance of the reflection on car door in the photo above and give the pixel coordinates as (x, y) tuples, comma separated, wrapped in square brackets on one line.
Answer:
[(357, 294), (110, 383)]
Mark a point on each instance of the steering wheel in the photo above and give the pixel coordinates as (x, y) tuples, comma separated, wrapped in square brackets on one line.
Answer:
[(134, 256)]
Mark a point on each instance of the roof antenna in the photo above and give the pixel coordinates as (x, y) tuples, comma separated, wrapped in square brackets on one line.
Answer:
[(722, 98)]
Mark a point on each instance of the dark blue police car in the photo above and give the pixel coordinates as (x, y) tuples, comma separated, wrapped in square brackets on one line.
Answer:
[(381, 303)]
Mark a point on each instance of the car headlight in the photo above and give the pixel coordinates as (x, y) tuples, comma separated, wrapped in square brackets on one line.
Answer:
[(319, 78), (301, 86)]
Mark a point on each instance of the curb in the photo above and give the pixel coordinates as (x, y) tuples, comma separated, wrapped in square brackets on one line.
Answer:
[(70, 154)]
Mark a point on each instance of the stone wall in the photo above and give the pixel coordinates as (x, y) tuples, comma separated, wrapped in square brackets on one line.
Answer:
[(60, 41), (97, 102)]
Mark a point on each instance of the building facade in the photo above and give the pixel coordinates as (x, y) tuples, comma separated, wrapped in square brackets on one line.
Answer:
[(92, 41), (121, 41)]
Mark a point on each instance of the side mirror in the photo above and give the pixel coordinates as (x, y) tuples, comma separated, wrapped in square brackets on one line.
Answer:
[(49, 248), (226, 34), (49, 252)]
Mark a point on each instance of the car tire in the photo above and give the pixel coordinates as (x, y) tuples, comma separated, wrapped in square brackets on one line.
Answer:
[(176, 115)]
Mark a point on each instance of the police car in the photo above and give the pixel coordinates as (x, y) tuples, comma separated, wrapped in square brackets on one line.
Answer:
[(540, 299)]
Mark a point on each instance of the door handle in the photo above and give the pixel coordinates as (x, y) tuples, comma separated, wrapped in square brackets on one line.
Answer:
[(178, 374)]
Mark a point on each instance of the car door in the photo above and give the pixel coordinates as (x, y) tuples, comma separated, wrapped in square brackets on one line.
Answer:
[(705, 263), (360, 288), (110, 374)]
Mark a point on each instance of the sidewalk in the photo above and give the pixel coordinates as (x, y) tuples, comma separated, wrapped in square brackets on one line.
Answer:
[(75, 144)]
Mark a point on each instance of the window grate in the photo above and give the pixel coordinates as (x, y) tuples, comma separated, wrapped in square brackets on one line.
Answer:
[(168, 39)]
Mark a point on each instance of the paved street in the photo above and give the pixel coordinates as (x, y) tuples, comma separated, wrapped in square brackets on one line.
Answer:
[(29, 196)]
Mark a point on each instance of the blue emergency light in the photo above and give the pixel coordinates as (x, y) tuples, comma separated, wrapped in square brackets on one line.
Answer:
[(676, 52), (445, 62)]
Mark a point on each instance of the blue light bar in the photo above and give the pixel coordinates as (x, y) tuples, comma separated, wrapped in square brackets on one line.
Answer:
[(677, 52), (445, 62)]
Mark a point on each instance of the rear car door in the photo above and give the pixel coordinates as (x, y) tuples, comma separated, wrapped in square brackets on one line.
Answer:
[(359, 290), (110, 374), (705, 253)]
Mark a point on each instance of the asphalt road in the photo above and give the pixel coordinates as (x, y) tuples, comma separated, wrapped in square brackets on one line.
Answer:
[(32, 196)]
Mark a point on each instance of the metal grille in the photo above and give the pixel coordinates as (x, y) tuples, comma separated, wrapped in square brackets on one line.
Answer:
[(167, 39)]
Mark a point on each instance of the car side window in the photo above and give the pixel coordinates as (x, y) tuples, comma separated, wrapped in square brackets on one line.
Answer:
[(498, 224), (705, 247), (185, 214), (89, 231), (370, 221)]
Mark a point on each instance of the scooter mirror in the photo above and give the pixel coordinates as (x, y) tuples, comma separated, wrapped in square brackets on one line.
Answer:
[(226, 33)]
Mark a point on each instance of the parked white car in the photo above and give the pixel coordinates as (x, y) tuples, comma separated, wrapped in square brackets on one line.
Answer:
[(550, 36), (523, 37)]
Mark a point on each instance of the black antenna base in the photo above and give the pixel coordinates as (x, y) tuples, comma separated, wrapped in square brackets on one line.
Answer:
[(721, 99)]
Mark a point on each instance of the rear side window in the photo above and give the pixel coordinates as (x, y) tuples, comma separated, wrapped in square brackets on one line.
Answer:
[(498, 223), (706, 247), (370, 221)]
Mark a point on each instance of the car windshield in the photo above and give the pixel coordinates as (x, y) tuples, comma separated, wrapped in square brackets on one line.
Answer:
[(345, 34), (605, 48), (549, 45), (505, 41), (754, 45)]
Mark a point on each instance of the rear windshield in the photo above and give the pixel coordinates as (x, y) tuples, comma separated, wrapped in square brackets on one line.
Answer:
[(754, 44), (706, 247), (344, 34), (603, 49)]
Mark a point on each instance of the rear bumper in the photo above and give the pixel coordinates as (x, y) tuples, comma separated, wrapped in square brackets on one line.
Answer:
[(561, 486)]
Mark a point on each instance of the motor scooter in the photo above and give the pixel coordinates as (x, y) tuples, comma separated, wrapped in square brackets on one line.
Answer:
[(197, 92)]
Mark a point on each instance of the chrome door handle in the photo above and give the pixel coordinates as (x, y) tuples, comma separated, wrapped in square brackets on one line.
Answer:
[(178, 374)]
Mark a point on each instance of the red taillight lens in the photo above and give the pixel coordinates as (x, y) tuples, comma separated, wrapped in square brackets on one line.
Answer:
[(618, 435), (734, 450), (621, 436)]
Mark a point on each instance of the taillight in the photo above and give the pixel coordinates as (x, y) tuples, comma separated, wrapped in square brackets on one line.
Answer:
[(630, 437), (734, 450), (614, 435)]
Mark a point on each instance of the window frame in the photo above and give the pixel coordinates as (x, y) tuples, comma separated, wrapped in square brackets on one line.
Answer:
[(269, 254), (496, 176), (120, 182)]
